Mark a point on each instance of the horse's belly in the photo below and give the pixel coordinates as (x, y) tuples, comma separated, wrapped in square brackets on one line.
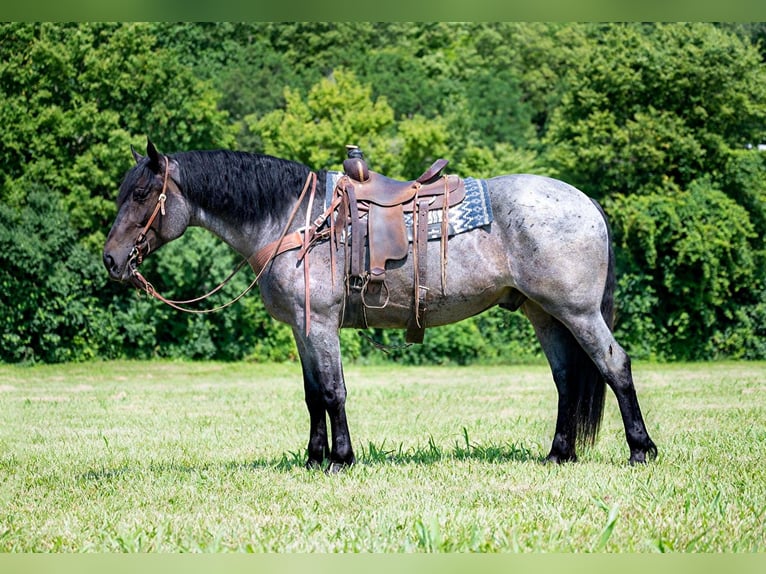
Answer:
[(476, 277)]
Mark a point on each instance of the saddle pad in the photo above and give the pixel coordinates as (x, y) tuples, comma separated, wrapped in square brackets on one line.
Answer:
[(474, 211)]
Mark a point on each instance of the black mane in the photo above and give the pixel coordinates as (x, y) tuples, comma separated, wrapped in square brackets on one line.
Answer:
[(237, 186)]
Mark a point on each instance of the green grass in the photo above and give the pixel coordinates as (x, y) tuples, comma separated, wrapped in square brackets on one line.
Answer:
[(208, 457)]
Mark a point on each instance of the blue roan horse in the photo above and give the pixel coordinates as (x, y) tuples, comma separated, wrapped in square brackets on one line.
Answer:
[(547, 251)]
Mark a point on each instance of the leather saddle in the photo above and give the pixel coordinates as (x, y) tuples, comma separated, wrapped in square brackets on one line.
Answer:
[(373, 207)]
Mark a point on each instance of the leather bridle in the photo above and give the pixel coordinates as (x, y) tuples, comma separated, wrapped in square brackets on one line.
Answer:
[(141, 248)]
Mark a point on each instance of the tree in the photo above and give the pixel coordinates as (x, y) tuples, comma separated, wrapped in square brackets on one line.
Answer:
[(49, 286), (337, 111), (688, 266), (648, 107), (76, 95)]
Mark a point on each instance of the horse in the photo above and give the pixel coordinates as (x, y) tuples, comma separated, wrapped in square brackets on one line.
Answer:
[(547, 252)]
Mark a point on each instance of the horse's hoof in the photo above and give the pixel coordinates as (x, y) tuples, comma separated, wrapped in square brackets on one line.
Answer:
[(643, 455), (560, 459), (336, 467), (313, 465)]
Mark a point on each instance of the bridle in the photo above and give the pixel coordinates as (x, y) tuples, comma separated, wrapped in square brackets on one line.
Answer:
[(141, 248)]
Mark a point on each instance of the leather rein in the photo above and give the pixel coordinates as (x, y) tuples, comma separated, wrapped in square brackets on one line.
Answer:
[(259, 261)]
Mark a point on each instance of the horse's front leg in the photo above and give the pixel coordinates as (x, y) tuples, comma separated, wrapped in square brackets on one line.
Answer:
[(325, 391)]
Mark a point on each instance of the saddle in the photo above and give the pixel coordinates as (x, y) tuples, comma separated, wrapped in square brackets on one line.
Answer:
[(368, 209), (371, 211)]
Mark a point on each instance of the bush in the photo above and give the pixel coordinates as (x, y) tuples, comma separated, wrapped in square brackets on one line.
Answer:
[(689, 264), (49, 304)]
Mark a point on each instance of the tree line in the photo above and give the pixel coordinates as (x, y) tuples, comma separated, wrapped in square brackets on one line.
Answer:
[(659, 122)]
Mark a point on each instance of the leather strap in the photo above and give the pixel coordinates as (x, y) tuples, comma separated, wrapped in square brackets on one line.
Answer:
[(417, 326), (262, 257), (357, 234), (141, 243)]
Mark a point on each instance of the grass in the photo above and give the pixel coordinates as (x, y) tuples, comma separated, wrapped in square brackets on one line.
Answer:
[(205, 457)]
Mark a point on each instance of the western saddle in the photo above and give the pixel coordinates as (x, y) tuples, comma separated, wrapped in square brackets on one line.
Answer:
[(372, 205), (369, 209)]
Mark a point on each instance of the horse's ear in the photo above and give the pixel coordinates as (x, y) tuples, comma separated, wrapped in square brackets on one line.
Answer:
[(154, 156), (136, 156)]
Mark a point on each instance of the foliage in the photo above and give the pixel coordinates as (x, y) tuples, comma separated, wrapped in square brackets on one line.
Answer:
[(689, 258), (660, 122), (76, 95), (648, 107), (49, 305), (337, 111)]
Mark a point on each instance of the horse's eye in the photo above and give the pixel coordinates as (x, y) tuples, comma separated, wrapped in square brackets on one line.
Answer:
[(140, 194)]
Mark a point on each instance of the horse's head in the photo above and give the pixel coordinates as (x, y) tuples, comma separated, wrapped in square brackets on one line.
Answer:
[(151, 212)]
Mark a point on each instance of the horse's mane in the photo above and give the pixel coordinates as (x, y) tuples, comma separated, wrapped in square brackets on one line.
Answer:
[(241, 186), (237, 186)]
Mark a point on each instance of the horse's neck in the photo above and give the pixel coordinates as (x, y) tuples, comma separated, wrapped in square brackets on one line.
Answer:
[(245, 238), (249, 230)]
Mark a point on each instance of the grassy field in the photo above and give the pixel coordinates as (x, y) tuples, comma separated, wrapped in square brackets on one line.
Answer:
[(208, 457)]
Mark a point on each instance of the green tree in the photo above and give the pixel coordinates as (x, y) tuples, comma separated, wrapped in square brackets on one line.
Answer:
[(337, 111), (688, 266), (50, 309), (76, 95), (653, 106)]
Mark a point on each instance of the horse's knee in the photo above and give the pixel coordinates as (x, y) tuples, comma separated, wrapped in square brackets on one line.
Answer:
[(616, 357), (334, 398)]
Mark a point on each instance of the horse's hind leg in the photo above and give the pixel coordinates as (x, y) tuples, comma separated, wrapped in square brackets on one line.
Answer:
[(614, 364), (580, 390), (325, 392)]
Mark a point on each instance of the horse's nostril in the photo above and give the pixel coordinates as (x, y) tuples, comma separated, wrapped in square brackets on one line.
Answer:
[(109, 263)]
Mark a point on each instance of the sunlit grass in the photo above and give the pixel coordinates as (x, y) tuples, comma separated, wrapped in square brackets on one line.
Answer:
[(209, 457)]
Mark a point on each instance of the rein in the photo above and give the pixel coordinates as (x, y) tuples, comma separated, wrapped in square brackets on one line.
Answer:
[(141, 248)]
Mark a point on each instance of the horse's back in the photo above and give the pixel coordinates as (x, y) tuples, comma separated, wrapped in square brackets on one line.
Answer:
[(544, 201)]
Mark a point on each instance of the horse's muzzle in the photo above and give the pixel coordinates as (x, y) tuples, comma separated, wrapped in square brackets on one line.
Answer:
[(117, 272)]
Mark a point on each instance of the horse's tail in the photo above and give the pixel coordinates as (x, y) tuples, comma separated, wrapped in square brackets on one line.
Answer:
[(591, 389)]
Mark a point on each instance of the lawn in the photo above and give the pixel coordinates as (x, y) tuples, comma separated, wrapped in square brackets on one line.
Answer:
[(208, 457)]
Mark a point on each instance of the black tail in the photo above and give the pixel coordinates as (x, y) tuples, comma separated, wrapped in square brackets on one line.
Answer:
[(590, 385)]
